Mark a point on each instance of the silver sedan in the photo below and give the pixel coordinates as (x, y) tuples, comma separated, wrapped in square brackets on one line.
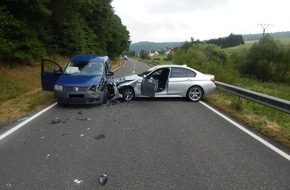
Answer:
[(167, 81)]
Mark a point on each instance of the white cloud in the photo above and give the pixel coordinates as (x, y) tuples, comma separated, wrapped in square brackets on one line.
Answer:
[(172, 20)]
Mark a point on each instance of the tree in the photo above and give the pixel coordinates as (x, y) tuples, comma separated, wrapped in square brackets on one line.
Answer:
[(265, 60), (230, 41), (31, 28), (144, 54)]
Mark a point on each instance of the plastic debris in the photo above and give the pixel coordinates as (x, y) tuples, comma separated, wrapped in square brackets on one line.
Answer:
[(78, 181), (101, 136), (56, 120), (103, 179), (23, 119), (82, 135), (84, 118)]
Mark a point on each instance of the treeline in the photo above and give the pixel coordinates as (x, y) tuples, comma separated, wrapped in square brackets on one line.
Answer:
[(29, 29), (226, 42), (266, 60)]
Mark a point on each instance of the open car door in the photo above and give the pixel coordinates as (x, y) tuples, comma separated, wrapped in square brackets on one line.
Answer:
[(149, 87), (50, 72)]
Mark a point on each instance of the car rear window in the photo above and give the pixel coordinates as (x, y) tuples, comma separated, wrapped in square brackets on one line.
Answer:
[(181, 72)]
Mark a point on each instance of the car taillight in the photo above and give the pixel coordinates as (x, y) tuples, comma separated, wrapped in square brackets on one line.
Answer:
[(212, 79)]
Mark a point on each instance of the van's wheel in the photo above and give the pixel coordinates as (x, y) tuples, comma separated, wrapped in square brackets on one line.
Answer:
[(128, 93), (194, 93)]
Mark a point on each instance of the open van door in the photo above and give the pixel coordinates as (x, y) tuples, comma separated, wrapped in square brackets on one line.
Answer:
[(50, 72)]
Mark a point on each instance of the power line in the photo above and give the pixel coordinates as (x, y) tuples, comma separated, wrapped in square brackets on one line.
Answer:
[(264, 26)]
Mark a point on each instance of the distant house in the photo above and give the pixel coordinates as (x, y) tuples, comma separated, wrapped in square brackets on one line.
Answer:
[(153, 53), (171, 51)]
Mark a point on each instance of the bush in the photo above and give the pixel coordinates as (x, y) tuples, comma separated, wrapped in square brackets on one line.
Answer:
[(266, 61)]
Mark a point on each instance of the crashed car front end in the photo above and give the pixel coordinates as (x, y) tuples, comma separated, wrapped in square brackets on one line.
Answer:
[(133, 81)]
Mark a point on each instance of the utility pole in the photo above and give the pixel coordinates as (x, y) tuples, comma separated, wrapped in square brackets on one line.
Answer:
[(264, 26)]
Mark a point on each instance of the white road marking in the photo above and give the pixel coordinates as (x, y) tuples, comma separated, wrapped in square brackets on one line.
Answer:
[(277, 150), (7, 133), (134, 72)]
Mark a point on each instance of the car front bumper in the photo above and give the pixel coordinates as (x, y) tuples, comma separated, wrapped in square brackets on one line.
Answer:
[(79, 98)]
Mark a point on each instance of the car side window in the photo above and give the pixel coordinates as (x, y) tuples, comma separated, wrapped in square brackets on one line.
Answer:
[(190, 73), (178, 73), (155, 74)]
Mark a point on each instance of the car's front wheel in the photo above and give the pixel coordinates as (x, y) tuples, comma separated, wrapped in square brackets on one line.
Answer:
[(194, 93), (128, 93)]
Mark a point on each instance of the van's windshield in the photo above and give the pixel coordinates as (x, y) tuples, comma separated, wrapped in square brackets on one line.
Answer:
[(85, 68)]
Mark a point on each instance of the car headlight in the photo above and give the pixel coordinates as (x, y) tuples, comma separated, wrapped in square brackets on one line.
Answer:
[(58, 87)]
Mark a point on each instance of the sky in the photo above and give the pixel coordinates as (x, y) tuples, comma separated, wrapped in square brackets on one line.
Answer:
[(181, 20)]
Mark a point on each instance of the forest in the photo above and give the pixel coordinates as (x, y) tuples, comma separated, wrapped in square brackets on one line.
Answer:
[(30, 29)]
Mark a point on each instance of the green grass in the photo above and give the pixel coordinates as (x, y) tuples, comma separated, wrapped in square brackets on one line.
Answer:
[(248, 44)]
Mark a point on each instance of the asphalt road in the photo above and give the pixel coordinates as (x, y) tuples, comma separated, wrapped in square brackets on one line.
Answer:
[(142, 144)]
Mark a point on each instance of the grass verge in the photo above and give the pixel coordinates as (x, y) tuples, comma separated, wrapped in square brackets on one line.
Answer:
[(270, 122)]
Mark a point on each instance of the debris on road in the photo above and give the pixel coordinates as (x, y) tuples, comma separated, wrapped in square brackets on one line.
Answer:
[(78, 181), (101, 136), (84, 118), (55, 121), (23, 119), (103, 179)]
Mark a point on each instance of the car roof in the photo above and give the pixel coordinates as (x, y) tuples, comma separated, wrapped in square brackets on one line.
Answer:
[(175, 66), (90, 58), (166, 66)]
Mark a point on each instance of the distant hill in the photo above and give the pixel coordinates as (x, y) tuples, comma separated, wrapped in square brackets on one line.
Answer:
[(155, 46)]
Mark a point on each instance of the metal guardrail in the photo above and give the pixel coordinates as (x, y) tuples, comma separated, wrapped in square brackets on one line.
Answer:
[(270, 101)]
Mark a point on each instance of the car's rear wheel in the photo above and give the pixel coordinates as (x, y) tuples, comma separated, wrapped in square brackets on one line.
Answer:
[(194, 93), (128, 93)]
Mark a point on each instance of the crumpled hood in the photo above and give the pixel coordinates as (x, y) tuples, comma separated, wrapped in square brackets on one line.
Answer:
[(70, 80), (127, 78)]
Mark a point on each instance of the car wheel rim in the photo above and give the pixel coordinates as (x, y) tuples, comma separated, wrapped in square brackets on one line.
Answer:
[(128, 95), (195, 94)]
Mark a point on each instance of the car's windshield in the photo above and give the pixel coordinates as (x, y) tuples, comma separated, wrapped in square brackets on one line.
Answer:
[(144, 73), (84, 68)]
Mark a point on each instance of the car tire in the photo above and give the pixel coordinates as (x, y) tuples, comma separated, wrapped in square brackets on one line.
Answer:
[(194, 93), (128, 93)]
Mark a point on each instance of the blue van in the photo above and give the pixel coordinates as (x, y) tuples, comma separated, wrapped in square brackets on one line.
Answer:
[(83, 81)]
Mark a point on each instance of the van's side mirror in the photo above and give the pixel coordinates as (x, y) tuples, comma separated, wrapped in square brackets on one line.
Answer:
[(110, 73), (57, 70)]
